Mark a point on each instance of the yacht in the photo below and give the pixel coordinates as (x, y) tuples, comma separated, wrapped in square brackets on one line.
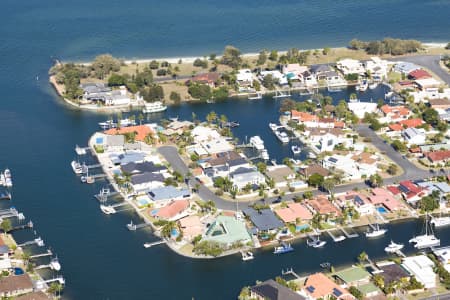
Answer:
[(296, 149), (284, 248), (393, 247), (76, 167), (440, 221), (154, 107), (282, 136), (107, 209), (315, 242), (375, 232), (425, 240), (7, 178), (373, 85), (247, 255), (273, 126), (265, 154), (257, 142), (127, 122), (107, 125), (54, 264)]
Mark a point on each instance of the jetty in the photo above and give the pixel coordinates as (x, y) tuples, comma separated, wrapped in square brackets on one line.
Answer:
[(81, 150), (133, 227), (104, 194), (282, 94), (11, 213), (254, 96), (48, 253), (348, 235), (290, 272), (148, 245), (38, 241), (25, 226), (336, 239), (111, 209)]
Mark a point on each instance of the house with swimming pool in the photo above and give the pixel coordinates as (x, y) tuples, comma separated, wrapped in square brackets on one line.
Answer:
[(163, 195), (227, 230)]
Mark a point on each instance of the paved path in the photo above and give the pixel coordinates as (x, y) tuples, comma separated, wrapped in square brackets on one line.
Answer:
[(430, 62)]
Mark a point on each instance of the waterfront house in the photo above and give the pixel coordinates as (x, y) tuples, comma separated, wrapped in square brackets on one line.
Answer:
[(321, 205), (319, 286), (350, 165), (276, 75), (244, 176), (305, 118), (319, 71), (282, 175), (439, 103), (114, 143), (361, 108), (440, 157), (173, 211), (391, 272), (165, 194), (118, 158), (405, 67), (351, 66), (95, 91), (293, 212), (272, 290), (314, 169), (13, 285), (414, 136), (227, 230), (356, 200), (411, 192), (428, 84), (294, 72), (191, 226), (377, 68), (244, 77), (309, 79), (421, 267), (394, 113), (359, 278), (210, 79), (209, 141), (143, 167), (381, 197), (139, 131), (419, 74), (333, 78), (144, 182), (38, 295), (264, 220), (443, 255)]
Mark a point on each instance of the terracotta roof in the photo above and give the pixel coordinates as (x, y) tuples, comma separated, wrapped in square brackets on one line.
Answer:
[(385, 198), (398, 110), (419, 74), (315, 169), (11, 284), (339, 124), (33, 296), (206, 77), (415, 150), (323, 206), (171, 210), (395, 127), (365, 158), (437, 156), (303, 116), (411, 122), (141, 131), (320, 286), (292, 212)]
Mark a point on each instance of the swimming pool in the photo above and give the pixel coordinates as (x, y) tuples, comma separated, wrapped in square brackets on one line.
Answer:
[(382, 210)]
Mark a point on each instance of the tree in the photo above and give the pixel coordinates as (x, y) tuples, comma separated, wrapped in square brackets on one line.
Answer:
[(269, 82), (287, 105), (200, 91), (392, 169), (378, 280), (140, 118), (175, 97), (166, 231), (262, 167), (262, 58), (326, 51), (376, 180), (315, 180), (201, 63), (341, 109), (117, 80), (273, 55), (355, 292), (399, 146), (362, 257), (429, 203), (154, 65), (104, 64), (231, 57), (6, 225), (356, 44), (211, 117), (55, 288), (329, 185), (431, 116)]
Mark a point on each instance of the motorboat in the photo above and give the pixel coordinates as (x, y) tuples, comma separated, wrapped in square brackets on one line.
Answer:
[(257, 142), (296, 149), (7, 178), (426, 240), (265, 154), (154, 107), (316, 243), (232, 124), (373, 85), (127, 122), (312, 154), (79, 150), (375, 232), (247, 255), (107, 124), (284, 248), (76, 167), (339, 238), (55, 265), (107, 209), (282, 136), (362, 87), (393, 247), (440, 221), (273, 126)]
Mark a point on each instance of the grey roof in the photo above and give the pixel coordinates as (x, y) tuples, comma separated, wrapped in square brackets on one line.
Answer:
[(241, 171), (320, 68), (168, 192), (144, 167), (93, 88), (411, 132), (331, 74), (4, 249), (264, 219), (405, 67), (272, 290), (237, 162), (392, 272), (434, 147), (115, 140), (146, 177), (126, 158)]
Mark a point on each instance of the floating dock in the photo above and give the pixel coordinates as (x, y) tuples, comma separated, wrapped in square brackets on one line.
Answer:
[(335, 238), (48, 253), (132, 227)]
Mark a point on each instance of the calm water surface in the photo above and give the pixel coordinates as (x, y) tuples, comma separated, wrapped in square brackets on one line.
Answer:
[(100, 258)]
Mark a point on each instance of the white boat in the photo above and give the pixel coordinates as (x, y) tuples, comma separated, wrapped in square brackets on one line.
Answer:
[(265, 154), (273, 126), (425, 240), (107, 209), (312, 154), (339, 238), (376, 232), (362, 87), (316, 243), (373, 85), (296, 149), (79, 150), (55, 265), (284, 248), (7, 178), (282, 136), (76, 167), (440, 221), (154, 107), (107, 124), (257, 142), (247, 255), (393, 247), (127, 122)]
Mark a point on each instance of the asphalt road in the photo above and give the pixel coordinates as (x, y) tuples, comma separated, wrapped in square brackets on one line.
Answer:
[(430, 62)]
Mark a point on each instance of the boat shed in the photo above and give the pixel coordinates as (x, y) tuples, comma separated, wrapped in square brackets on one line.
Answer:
[(264, 220)]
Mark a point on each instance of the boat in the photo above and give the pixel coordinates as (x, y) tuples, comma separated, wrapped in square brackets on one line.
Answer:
[(375, 232), (296, 149), (339, 238), (107, 124), (7, 178), (76, 167), (256, 97), (154, 107), (232, 124), (362, 87), (393, 247), (373, 85), (107, 209), (55, 265), (90, 179), (131, 226), (440, 221), (282, 136), (312, 154), (284, 248), (325, 265), (247, 255), (273, 126), (425, 240), (316, 243), (265, 154), (79, 150), (127, 122), (257, 142)]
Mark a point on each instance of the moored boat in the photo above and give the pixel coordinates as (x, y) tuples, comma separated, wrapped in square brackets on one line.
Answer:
[(296, 149), (426, 240), (257, 142), (440, 221), (282, 136), (247, 255), (375, 232), (393, 247), (76, 167), (284, 248), (154, 107)]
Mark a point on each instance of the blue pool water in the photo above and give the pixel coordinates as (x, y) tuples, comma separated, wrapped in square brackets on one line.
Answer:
[(382, 210), (18, 271)]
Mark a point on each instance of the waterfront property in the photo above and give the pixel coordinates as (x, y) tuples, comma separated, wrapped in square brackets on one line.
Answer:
[(421, 267), (227, 230), (272, 290), (319, 286)]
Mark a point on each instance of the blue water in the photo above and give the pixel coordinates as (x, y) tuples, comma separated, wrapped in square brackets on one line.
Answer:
[(100, 258), (382, 210)]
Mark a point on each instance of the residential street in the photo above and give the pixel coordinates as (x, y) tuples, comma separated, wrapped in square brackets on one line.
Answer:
[(430, 62)]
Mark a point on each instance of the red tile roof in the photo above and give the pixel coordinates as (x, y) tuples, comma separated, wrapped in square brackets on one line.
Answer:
[(303, 116), (437, 156), (171, 210), (411, 122), (206, 78), (141, 131), (419, 74), (320, 286), (395, 127), (292, 212), (394, 190)]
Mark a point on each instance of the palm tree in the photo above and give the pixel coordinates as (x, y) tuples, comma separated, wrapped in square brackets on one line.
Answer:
[(6, 225), (211, 117), (55, 288), (141, 118), (362, 257), (166, 231)]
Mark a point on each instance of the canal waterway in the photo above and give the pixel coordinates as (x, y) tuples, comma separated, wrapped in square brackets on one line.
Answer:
[(100, 258)]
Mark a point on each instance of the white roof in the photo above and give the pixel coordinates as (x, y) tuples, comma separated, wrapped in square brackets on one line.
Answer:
[(422, 268), (360, 108), (427, 82)]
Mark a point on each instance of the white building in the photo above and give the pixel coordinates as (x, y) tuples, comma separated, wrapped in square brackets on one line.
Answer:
[(377, 67), (421, 267), (245, 77), (351, 66), (328, 141), (361, 108), (351, 169), (209, 141), (243, 176), (414, 136), (282, 79), (443, 254)]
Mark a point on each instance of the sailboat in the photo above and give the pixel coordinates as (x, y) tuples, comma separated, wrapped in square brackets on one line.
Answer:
[(375, 232), (425, 240)]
